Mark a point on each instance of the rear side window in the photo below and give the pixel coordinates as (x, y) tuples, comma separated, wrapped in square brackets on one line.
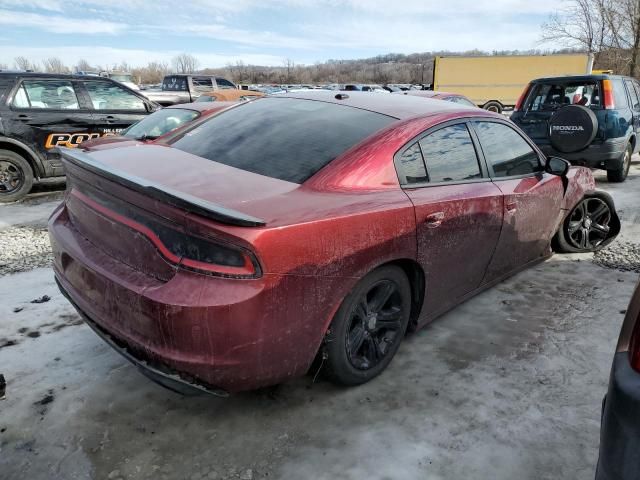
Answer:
[(46, 94), (506, 151), (619, 95), (111, 96), (635, 103), (450, 155), (412, 165), (284, 138), (202, 84)]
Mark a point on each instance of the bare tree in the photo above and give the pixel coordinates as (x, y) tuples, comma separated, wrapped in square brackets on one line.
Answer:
[(83, 66), (23, 63), (54, 65), (289, 66), (580, 23), (185, 63), (154, 72), (623, 18)]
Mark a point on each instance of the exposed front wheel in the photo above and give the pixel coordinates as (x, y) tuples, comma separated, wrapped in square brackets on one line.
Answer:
[(620, 174), (588, 227), (368, 327), (16, 177)]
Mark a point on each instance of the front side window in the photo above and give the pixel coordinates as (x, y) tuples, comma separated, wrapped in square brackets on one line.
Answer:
[(285, 138), (160, 123), (46, 94), (450, 155), (110, 96), (506, 151), (224, 83)]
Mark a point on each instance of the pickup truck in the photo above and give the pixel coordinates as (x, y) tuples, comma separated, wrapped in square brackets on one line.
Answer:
[(185, 88)]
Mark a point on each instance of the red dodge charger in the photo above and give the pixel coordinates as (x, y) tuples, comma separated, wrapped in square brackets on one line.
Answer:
[(308, 225)]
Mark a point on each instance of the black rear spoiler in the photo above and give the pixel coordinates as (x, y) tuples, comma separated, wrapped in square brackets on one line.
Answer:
[(159, 192)]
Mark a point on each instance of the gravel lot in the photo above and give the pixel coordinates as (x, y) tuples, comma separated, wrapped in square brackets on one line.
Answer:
[(508, 385)]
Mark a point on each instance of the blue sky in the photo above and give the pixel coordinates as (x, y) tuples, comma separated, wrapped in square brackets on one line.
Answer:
[(261, 31)]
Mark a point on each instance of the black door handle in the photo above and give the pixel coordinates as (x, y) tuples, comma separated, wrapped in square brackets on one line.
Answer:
[(24, 118)]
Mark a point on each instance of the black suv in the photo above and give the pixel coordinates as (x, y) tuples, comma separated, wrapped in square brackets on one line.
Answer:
[(40, 111), (590, 120)]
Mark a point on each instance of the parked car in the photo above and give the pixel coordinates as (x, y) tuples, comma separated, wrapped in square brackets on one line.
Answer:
[(591, 120), (449, 97), (620, 427), (229, 96), (124, 78), (307, 226), (42, 111), (186, 88), (157, 126)]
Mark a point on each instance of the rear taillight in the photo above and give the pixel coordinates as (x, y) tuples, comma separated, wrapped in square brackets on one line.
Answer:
[(205, 255), (523, 95), (607, 95)]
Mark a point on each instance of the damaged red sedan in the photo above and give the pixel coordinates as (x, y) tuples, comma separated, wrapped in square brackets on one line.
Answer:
[(309, 225)]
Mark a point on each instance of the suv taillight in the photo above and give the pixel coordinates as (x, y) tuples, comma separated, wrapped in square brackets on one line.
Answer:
[(523, 95), (607, 95)]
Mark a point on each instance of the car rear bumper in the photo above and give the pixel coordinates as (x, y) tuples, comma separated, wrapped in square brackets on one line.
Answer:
[(620, 431), (157, 372), (192, 330), (606, 155)]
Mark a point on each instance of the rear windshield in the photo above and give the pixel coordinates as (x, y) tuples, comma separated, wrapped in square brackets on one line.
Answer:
[(284, 138), (175, 84), (551, 96), (160, 123)]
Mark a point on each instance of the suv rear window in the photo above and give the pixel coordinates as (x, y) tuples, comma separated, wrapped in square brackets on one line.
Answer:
[(284, 138), (551, 96)]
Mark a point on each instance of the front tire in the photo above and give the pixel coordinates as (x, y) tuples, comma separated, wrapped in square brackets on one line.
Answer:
[(588, 226), (368, 327), (620, 174), (16, 177)]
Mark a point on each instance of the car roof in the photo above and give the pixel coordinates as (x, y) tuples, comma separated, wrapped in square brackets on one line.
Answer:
[(398, 106), (53, 75), (576, 78)]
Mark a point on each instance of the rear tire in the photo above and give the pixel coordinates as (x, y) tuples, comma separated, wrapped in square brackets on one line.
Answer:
[(368, 327), (493, 106), (16, 177), (620, 174)]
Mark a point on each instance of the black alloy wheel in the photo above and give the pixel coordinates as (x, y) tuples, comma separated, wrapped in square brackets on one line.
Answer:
[(374, 325), (368, 327), (11, 177), (588, 224), (16, 176)]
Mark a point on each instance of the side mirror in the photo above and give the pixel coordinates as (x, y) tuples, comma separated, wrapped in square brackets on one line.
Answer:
[(557, 166)]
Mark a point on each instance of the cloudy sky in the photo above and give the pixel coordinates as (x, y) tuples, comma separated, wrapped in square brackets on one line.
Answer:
[(261, 31)]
